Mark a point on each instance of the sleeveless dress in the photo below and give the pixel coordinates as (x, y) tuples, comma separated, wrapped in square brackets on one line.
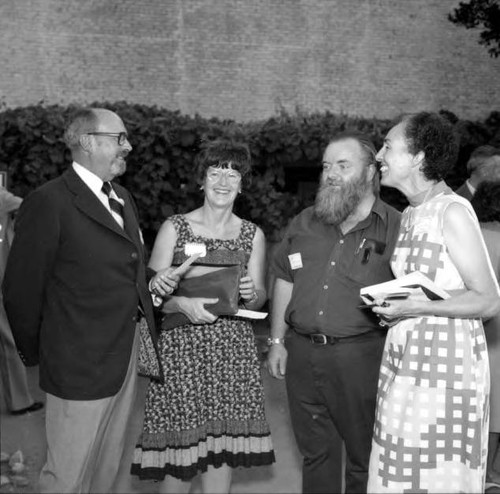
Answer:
[(431, 424), (210, 410)]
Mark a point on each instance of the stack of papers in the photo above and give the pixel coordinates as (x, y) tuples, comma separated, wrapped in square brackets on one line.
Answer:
[(402, 287)]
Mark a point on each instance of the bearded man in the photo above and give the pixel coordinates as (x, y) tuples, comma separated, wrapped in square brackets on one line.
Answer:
[(333, 347)]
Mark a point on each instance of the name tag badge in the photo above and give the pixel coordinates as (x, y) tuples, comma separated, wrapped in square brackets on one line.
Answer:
[(295, 260), (191, 248)]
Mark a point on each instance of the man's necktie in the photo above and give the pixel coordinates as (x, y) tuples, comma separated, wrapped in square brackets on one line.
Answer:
[(115, 205)]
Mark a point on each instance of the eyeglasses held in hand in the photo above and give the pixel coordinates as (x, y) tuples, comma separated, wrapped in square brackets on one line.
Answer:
[(121, 137)]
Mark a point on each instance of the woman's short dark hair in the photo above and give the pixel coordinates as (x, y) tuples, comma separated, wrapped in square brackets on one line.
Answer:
[(224, 153), (436, 137), (486, 201)]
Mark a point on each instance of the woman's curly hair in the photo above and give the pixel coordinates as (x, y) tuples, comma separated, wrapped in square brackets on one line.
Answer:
[(435, 136)]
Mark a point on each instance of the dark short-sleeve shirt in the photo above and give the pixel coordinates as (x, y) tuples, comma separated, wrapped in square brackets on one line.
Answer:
[(328, 269)]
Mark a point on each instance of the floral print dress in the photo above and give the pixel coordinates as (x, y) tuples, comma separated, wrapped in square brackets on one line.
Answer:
[(210, 410)]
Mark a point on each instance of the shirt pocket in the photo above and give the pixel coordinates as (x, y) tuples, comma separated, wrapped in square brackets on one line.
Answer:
[(363, 271)]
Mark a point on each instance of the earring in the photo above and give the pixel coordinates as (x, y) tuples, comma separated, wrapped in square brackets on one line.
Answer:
[(201, 187)]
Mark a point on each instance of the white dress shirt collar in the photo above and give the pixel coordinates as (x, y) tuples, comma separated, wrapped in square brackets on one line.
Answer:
[(472, 189), (93, 182)]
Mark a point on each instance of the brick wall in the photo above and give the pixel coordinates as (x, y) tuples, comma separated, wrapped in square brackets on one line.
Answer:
[(246, 59)]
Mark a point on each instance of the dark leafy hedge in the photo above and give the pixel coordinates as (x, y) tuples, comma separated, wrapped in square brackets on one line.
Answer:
[(160, 168)]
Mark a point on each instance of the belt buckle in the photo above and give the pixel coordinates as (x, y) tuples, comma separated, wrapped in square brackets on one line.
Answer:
[(319, 339)]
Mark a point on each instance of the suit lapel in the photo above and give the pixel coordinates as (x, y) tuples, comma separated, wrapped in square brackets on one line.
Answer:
[(130, 219), (86, 201), (130, 222)]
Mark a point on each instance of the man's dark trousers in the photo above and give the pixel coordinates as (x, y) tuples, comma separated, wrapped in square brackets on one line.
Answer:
[(333, 386)]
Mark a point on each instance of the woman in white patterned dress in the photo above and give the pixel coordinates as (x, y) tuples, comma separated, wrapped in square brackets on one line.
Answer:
[(431, 426)]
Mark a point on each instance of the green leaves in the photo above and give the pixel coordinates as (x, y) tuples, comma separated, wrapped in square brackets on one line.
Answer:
[(483, 14), (286, 150)]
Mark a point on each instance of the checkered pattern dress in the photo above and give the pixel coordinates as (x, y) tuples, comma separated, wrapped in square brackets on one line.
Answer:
[(431, 427)]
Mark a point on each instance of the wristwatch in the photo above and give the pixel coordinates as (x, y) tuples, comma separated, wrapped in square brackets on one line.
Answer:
[(275, 341)]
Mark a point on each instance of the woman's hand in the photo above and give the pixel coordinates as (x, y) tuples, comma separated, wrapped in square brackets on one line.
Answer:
[(164, 282), (392, 311), (248, 293), (194, 309)]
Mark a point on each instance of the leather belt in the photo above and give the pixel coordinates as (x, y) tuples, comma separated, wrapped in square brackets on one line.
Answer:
[(325, 339)]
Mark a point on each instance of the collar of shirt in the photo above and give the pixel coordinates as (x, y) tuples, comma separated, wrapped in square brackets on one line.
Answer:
[(378, 208), (94, 183), (472, 189)]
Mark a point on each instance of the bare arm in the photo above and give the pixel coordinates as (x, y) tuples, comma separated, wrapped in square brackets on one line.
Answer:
[(276, 360), (465, 244), (163, 282), (252, 287), (161, 260), (163, 249)]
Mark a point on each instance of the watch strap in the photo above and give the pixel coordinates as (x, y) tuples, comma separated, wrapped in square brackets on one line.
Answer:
[(275, 341)]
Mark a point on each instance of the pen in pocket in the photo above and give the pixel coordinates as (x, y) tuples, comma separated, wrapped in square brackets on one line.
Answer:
[(360, 246)]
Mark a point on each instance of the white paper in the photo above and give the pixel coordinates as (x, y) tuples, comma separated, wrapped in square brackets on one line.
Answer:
[(412, 280), (251, 314)]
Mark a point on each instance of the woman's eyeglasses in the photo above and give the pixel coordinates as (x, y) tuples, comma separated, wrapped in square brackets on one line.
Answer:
[(232, 176)]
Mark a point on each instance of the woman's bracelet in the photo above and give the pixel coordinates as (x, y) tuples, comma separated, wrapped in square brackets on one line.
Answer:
[(252, 299)]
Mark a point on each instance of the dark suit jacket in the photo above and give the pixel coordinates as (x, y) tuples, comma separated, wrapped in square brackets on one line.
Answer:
[(464, 191), (72, 287)]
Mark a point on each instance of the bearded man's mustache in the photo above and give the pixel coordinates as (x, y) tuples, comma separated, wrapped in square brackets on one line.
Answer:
[(334, 205)]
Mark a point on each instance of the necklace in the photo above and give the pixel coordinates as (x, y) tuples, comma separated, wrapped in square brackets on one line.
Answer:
[(411, 213), (416, 199)]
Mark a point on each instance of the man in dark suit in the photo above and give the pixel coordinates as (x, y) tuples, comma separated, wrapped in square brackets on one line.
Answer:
[(483, 166), (75, 292)]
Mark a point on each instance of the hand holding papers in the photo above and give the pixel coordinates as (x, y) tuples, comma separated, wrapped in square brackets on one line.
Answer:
[(415, 283), (389, 296), (220, 284)]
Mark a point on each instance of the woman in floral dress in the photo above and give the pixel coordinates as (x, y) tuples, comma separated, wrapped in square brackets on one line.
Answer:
[(208, 416), (431, 426)]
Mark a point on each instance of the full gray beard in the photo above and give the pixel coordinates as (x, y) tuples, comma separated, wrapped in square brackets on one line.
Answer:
[(334, 206)]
